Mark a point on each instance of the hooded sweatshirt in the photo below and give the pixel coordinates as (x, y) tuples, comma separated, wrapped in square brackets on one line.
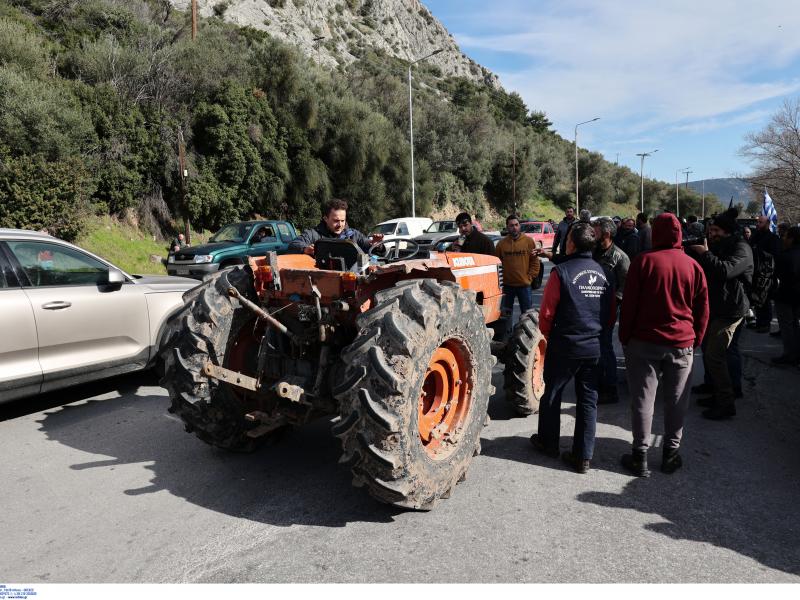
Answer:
[(666, 295)]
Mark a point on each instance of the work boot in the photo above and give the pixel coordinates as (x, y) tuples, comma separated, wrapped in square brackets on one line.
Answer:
[(577, 464), (537, 443), (719, 413), (671, 461), (703, 388), (707, 402), (636, 463)]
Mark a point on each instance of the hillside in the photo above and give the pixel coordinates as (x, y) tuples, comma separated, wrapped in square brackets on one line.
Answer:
[(725, 189), (403, 29)]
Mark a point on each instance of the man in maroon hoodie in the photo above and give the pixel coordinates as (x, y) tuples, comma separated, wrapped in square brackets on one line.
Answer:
[(663, 320)]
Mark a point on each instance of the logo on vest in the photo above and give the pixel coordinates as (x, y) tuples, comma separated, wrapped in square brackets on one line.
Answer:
[(587, 282)]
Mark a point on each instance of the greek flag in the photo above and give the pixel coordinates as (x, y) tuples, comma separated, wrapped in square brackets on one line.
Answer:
[(768, 210)]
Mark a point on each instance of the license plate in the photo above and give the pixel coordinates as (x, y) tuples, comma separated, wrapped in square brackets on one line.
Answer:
[(182, 271)]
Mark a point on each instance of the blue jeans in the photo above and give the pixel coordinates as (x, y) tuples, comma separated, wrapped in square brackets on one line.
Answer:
[(557, 374), (524, 294)]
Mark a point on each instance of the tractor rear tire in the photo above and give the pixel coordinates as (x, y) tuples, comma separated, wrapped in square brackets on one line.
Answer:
[(206, 330), (415, 393), (524, 365)]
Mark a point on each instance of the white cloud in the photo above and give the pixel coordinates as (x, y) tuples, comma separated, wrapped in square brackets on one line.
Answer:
[(680, 64)]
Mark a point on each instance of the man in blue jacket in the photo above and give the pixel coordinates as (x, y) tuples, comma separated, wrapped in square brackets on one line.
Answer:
[(577, 304)]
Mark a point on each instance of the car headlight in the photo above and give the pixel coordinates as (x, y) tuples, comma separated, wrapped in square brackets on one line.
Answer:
[(171, 258), (203, 258)]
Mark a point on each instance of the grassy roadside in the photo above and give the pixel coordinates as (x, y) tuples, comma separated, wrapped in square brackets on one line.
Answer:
[(126, 246)]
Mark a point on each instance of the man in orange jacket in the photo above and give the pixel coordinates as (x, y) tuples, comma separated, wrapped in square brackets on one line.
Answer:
[(520, 268)]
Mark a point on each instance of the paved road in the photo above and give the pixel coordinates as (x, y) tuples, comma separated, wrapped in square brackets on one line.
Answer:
[(100, 484)]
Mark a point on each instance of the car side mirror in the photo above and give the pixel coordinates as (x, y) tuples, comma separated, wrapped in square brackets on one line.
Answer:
[(115, 277)]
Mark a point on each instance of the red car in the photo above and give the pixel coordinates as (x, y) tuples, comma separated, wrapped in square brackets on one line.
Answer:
[(541, 232)]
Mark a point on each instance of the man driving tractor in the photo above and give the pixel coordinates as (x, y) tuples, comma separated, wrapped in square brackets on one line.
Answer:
[(332, 226)]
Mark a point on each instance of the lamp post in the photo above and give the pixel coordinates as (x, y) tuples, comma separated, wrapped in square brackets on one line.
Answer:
[(411, 127), (677, 202), (317, 40), (577, 207), (641, 173)]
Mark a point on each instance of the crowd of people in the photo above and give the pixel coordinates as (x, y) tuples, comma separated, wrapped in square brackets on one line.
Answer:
[(675, 286)]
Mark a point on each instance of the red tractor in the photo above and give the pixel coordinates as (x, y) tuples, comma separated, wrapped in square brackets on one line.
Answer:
[(399, 350)]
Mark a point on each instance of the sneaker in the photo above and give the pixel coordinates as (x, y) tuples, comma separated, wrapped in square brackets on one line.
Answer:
[(706, 402), (578, 465), (719, 413), (703, 388), (537, 443)]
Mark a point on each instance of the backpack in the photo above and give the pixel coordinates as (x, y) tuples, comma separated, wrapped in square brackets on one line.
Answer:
[(763, 278)]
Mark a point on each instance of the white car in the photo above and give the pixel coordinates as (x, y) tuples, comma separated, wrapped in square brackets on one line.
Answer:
[(402, 229), (69, 316)]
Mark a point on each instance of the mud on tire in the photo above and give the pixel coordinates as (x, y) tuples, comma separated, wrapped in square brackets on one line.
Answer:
[(524, 365), (421, 336), (205, 330)]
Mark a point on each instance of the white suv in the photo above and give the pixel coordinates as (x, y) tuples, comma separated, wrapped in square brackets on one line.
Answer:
[(69, 316)]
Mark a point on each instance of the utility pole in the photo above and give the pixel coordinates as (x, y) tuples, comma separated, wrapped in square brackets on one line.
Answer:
[(677, 201), (411, 127), (641, 173), (577, 207), (687, 178), (514, 177), (704, 198), (194, 28), (317, 40), (183, 174)]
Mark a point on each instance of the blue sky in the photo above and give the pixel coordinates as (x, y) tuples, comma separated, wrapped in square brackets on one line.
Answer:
[(687, 77)]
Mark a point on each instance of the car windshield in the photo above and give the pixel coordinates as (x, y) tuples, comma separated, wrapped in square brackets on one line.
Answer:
[(386, 228), (440, 226), (532, 228), (236, 232)]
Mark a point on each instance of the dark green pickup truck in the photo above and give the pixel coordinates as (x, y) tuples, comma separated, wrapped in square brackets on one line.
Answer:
[(230, 246)]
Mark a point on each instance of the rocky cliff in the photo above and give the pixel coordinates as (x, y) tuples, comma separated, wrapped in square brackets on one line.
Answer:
[(332, 32)]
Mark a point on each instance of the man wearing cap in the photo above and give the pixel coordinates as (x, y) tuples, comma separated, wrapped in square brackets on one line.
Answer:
[(728, 264), (471, 240)]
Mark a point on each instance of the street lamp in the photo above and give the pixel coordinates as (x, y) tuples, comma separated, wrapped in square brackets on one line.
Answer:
[(316, 42), (677, 202), (577, 207), (641, 172), (411, 127)]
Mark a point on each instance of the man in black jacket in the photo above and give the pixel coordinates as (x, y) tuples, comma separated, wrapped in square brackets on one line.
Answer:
[(471, 240), (627, 238), (728, 265), (615, 264), (787, 298), (333, 226), (764, 240)]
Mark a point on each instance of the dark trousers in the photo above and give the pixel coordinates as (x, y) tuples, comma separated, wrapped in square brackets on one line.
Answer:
[(608, 360), (764, 314), (788, 316), (734, 358), (557, 374), (718, 337)]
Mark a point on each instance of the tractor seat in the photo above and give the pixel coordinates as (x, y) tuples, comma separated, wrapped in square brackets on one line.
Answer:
[(339, 255)]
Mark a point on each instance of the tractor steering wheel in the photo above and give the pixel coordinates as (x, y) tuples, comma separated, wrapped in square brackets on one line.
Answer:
[(391, 250)]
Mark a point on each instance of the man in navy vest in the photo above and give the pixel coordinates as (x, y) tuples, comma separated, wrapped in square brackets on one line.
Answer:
[(577, 305)]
